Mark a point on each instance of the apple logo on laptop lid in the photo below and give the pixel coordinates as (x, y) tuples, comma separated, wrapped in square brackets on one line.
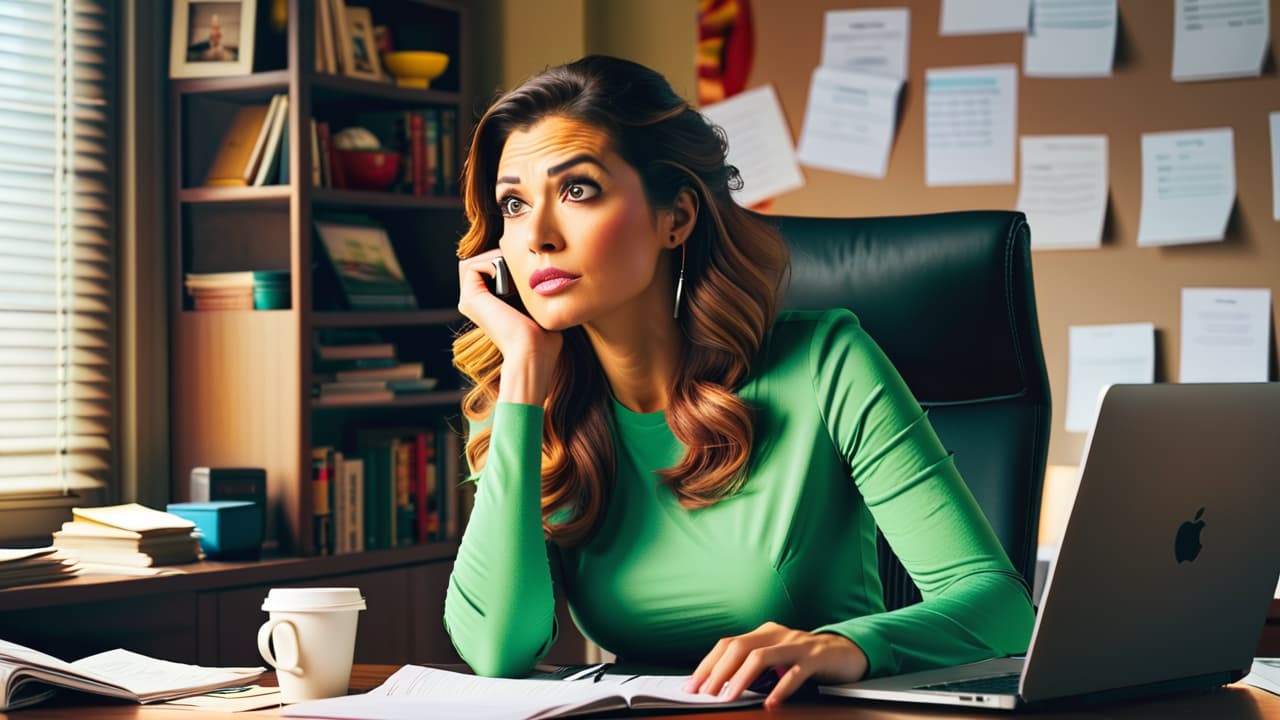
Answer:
[(1186, 545)]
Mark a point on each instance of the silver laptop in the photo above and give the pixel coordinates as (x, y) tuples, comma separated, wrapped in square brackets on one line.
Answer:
[(1168, 563)]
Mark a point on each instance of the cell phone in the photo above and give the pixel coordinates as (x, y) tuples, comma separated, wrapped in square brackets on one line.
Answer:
[(501, 278)]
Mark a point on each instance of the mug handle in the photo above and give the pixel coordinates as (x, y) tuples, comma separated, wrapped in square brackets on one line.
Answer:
[(264, 644)]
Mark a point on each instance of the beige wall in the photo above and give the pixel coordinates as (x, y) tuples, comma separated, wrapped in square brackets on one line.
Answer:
[(516, 38)]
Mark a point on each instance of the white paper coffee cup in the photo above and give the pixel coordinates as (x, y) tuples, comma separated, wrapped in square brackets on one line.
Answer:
[(313, 633)]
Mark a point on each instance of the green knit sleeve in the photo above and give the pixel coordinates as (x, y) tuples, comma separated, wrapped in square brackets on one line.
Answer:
[(499, 606), (975, 604)]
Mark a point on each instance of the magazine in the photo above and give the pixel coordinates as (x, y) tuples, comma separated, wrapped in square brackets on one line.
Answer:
[(368, 272), (29, 676)]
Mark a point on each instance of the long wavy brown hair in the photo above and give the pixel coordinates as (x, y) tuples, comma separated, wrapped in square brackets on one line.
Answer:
[(733, 270)]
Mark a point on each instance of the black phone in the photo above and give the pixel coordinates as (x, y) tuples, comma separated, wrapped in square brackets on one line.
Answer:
[(501, 279)]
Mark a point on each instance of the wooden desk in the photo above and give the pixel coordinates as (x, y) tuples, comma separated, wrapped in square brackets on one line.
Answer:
[(1237, 702)]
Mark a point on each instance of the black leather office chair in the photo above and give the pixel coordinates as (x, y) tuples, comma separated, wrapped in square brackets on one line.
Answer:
[(949, 298)]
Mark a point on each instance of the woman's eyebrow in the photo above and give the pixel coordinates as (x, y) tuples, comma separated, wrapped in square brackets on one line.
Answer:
[(575, 160)]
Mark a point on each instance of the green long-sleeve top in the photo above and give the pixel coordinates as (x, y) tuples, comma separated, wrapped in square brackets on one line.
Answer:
[(841, 447)]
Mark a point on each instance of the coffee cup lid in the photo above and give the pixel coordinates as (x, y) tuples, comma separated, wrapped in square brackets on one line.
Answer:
[(313, 599)]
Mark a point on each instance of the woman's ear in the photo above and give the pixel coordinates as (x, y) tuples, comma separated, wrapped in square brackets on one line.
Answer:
[(684, 215)]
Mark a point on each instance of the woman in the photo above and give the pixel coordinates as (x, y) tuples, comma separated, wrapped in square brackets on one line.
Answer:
[(709, 477)]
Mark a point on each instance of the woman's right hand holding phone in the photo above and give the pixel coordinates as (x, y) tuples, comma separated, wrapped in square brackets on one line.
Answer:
[(529, 352)]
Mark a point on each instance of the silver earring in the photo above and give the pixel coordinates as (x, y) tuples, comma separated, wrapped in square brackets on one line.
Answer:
[(679, 281)]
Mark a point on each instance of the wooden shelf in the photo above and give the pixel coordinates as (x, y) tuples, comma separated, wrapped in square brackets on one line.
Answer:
[(389, 318), (263, 195), (330, 197), (326, 88), (211, 575), (426, 399), (236, 87)]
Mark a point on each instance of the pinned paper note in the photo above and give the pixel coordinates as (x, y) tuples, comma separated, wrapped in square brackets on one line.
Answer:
[(1064, 189), (1188, 186), (970, 123), (1275, 165), (759, 144), (1226, 333), (1102, 355), (973, 17), (849, 123), (867, 41), (1070, 38), (1219, 39)]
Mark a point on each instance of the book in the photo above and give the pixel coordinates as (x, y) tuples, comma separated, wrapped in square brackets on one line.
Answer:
[(133, 518), (235, 154), (415, 691), (27, 566), (28, 677), (271, 159), (368, 273)]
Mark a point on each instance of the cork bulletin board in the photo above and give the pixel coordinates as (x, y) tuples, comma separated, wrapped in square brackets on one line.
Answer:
[(1117, 283)]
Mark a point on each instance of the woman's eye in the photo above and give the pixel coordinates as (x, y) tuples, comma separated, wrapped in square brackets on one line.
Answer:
[(580, 191), (510, 206)]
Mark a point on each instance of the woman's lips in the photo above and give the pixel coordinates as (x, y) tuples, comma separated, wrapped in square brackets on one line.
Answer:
[(548, 281)]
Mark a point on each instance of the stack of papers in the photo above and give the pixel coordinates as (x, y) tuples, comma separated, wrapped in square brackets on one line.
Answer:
[(129, 535), (34, 565)]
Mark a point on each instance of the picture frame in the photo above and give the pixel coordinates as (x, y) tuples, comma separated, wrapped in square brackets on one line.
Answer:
[(212, 38), (364, 262), (360, 50)]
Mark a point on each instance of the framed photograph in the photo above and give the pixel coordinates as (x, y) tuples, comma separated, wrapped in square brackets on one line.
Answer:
[(360, 53), (212, 38), (368, 272)]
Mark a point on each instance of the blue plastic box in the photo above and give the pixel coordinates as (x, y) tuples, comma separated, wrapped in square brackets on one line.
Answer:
[(229, 529)]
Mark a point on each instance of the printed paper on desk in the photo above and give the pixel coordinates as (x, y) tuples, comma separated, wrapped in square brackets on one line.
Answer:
[(1214, 40), (1188, 186), (849, 123), (970, 124), (1226, 333), (1102, 355), (975, 17), (759, 144), (873, 42), (1069, 38), (1064, 189)]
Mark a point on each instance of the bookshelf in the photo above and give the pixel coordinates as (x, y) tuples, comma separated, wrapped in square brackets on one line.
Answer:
[(242, 379)]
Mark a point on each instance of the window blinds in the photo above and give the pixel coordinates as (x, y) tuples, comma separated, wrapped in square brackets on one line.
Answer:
[(56, 246)]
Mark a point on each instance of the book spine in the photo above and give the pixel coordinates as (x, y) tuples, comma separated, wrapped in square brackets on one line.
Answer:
[(417, 154), (449, 150), (321, 463), (431, 143)]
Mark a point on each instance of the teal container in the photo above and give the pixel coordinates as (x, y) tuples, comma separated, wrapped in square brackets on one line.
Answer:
[(229, 529), (270, 289)]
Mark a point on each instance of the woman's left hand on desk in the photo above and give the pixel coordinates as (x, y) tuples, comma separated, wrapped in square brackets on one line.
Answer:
[(736, 662)]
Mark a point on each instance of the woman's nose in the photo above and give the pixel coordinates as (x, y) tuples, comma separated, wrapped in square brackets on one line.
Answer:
[(544, 233)]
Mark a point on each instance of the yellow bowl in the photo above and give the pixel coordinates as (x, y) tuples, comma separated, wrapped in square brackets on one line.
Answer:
[(415, 68)]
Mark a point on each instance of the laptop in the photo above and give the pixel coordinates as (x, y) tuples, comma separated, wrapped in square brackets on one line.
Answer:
[(1167, 565)]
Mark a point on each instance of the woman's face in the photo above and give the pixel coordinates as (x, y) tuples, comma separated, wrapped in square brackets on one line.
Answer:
[(581, 241)]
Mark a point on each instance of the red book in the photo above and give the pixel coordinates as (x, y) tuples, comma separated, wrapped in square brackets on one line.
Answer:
[(423, 456), (419, 154)]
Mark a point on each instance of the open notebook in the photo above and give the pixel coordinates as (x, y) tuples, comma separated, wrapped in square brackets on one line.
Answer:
[(419, 692)]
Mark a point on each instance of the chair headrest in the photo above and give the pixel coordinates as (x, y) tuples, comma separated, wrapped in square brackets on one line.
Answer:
[(948, 296)]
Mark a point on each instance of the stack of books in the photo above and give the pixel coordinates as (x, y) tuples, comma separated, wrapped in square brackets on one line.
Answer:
[(127, 536), (221, 291), (28, 566), (361, 369)]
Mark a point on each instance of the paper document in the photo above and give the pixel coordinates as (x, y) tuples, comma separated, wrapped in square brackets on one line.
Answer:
[(1102, 355), (970, 123), (867, 41), (1219, 38), (849, 122), (1188, 186), (972, 17), (1275, 164), (1070, 38), (1264, 675), (1226, 333), (759, 144), (418, 692), (1064, 189)]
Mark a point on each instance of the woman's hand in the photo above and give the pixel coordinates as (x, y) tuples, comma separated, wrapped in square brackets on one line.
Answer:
[(734, 663), (529, 353)]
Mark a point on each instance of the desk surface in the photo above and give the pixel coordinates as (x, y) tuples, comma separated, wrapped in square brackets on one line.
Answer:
[(1237, 702)]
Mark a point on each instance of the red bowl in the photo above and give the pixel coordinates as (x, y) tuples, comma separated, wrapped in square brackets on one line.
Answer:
[(369, 169)]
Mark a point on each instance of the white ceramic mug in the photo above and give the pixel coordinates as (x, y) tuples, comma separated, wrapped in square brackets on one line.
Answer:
[(313, 631)]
